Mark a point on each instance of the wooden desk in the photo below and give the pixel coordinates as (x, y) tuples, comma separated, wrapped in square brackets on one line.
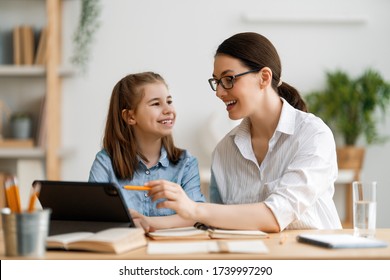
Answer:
[(291, 249)]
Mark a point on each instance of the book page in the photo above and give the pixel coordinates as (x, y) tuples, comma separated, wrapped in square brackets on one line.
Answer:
[(174, 230), (113, 240), (179, 233), (61, 240), (247, 247), (114, 234), (182, 247), (222, 233)]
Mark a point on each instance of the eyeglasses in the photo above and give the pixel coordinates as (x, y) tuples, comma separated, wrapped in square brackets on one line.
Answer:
[(227, 82)]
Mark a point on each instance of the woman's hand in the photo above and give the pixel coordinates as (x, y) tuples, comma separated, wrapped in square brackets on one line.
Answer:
[(175, 198), (141, 221)]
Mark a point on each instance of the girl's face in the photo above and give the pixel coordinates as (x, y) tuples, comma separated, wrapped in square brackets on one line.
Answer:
[(243, 99), (155, 114)]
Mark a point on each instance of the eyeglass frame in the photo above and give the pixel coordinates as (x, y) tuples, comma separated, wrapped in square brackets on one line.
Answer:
[(232, 77)]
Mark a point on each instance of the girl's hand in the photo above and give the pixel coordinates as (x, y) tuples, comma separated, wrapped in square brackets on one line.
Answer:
[(141, 221), (175, 198)]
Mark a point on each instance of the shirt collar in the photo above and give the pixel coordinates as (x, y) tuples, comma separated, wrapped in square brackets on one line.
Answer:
[(287, 118), (286, 125), (163, 161)]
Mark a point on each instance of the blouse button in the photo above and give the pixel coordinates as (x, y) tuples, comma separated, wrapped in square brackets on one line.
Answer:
[(146, 194), (147, 172)]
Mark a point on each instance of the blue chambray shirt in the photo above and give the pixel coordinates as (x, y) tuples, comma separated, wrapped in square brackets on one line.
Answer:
[(185, 173)]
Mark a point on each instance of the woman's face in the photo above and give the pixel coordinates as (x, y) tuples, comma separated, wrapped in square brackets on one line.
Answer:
[(243, 99), (155, 114)]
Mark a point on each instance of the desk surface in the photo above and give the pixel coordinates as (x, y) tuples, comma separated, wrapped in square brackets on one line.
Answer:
[(290, 249)]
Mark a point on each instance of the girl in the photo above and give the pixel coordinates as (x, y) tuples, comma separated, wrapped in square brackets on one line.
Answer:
[(138, 147), (274, 171)]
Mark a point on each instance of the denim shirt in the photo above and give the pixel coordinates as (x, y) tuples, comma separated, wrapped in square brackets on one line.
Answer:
[(185, 173)]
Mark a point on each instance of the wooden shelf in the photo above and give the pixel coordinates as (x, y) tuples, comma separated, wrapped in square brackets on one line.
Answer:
[(30, 71), (305, 19), (35, 152), (16, 153)]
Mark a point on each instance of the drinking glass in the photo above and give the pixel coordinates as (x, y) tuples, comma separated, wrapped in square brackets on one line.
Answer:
[(364, 208)]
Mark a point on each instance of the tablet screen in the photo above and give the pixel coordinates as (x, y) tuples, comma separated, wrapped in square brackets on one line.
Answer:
[(79, 203)]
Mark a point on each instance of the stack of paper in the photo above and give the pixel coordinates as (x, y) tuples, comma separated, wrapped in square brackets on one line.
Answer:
[(245, 247)]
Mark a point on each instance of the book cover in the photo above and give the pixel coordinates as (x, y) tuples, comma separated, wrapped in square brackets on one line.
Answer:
[(17, 45), (40, 56), (113, 240), (27, 35), (6, 47)]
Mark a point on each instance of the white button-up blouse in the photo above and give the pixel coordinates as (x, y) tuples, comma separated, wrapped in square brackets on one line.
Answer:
[(296, 178)]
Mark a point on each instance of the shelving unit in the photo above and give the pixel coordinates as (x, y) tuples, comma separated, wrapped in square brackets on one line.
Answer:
[(305, 19), (30, 71), (36, 163)]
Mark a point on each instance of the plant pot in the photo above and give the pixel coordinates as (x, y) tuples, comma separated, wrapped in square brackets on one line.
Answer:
[(21, 128), (350, 157)]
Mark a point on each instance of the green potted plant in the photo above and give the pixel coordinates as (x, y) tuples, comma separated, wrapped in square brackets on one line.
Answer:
[(351, 108), (21, 125)]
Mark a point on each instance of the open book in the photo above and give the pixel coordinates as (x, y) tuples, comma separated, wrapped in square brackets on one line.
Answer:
[(208, 246), (201, 231), (113, 240)]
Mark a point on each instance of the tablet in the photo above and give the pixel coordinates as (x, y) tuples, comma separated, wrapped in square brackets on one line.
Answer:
[(83, 206), (338, 241)]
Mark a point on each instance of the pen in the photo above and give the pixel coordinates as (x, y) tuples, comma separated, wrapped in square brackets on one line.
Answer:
[(33, 197), (137, 188), (12, 195)]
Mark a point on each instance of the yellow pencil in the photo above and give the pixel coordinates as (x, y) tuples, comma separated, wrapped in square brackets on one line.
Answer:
[(33, 197), (137, 188), (12, 195)]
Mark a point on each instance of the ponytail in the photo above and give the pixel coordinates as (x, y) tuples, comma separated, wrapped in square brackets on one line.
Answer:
[(292, 96)]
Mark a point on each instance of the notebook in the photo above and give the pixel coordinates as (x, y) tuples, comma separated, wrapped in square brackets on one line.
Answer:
[(83, 206)]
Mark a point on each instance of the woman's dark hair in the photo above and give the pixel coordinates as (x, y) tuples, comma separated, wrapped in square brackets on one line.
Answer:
[(119, 140), (256, 52)]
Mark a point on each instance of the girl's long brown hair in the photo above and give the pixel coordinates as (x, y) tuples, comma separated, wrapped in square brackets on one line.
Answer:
[(119, 140), (256, 51)]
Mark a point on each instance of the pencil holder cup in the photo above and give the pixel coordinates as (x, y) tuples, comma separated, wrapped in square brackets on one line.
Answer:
[(25, 233)]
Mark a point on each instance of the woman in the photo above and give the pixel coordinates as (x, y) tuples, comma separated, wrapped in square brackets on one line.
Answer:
[(138, 147), (274, 171)]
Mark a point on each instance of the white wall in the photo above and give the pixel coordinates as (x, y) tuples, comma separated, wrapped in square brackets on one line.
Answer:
[(178, 39)]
